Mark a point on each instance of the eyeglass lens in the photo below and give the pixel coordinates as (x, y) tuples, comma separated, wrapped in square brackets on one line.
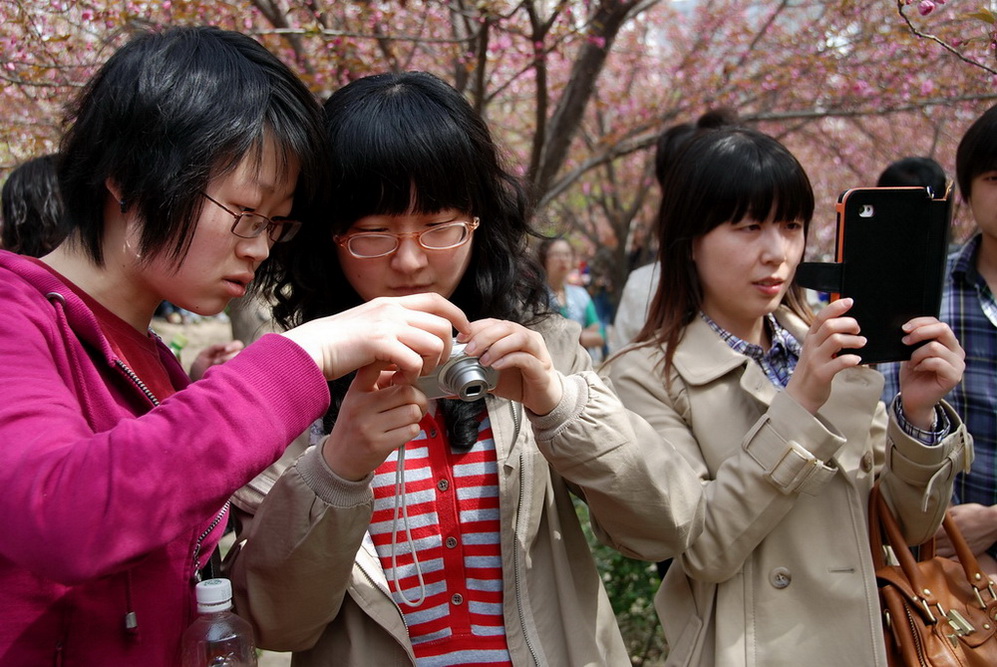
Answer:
[(251, 225), (436, 238)]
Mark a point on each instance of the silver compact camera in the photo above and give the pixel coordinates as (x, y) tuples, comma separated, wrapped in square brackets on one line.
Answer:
[(460, 377)]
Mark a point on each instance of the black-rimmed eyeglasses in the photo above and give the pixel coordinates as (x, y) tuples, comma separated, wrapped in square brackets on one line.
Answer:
[(249, 225), (370, 245)]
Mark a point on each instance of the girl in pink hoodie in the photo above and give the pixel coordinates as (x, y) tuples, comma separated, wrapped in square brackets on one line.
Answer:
[(192, 152)]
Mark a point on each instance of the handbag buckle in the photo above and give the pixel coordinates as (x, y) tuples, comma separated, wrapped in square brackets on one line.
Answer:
[(927, 610), (979, 598), (959, 623)]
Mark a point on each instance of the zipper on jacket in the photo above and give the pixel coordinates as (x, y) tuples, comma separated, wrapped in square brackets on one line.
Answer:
[(131, 622), (131, 618), (517, 581), (388, 595), (391, 599), (197, 546), (203, 536), (137, 380)]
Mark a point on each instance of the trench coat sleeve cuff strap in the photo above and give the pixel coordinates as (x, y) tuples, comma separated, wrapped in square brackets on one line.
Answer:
[(574, 397), (330, 487), (787, 464), (925, 466)]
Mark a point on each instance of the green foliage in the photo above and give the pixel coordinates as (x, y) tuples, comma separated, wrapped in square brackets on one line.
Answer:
[(631, 585)]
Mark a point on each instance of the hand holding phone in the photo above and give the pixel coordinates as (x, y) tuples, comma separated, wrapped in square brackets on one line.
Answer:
[(890, 259)]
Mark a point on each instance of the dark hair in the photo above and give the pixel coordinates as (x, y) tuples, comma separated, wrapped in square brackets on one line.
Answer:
[(977, 152), (667, 148), (723, 175), (168, 112), (915, 171), (410, 142), (719, 117), (32, 208), (674, 138)]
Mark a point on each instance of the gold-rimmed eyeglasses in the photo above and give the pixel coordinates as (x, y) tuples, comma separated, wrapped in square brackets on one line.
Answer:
[(249, 225), (370, 245)]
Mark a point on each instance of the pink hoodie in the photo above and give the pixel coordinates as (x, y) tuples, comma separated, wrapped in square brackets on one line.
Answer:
[(106, 498)]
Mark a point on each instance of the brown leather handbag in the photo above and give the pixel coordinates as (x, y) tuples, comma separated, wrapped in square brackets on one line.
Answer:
[(936, 611)]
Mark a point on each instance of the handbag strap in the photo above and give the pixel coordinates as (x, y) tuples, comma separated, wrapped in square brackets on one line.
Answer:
[(881, 520), (974, 574), (876, 531)]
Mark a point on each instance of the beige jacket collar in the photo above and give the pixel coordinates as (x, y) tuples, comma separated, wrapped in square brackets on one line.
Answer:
[(702, 356)]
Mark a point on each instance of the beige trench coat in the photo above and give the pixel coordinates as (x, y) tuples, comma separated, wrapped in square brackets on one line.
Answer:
[(308, 577), (782, 572)]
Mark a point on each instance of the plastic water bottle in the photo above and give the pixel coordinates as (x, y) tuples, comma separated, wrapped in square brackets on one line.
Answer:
[(218, 638)]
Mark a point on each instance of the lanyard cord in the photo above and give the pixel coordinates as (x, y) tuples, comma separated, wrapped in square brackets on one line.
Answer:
[(403, 509)]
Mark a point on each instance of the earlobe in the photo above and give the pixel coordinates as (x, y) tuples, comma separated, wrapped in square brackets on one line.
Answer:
[(115, 191)]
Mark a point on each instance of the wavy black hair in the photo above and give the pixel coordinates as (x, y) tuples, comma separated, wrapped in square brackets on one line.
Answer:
[(168, 112), (410, 142), (32, 208), (721, 175)]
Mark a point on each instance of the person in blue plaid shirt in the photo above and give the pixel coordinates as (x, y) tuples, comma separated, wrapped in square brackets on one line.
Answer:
[(969, 307)]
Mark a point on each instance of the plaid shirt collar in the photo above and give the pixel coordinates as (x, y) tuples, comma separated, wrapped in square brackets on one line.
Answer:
[(964, 267), (780, 360), (966, 276)]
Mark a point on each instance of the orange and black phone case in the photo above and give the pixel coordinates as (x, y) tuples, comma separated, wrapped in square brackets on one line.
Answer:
[(890, 259)]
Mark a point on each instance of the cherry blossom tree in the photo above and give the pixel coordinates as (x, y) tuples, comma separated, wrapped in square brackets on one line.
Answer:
[(973, 43), (576, 91)]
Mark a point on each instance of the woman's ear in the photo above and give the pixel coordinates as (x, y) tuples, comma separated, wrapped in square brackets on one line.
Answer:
[(115, 191)]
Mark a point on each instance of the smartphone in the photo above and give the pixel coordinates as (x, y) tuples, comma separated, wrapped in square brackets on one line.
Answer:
[(890, 259)]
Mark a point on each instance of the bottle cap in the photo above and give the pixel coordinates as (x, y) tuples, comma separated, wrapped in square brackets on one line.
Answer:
[(213, 595)]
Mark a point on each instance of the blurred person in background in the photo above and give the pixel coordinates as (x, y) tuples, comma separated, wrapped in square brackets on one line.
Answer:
[(32, 208)]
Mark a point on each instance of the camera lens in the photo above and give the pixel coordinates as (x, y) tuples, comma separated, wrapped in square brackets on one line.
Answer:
[(466, 379)]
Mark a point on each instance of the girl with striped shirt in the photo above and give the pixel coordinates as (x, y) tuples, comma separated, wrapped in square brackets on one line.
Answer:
[(439, 531)]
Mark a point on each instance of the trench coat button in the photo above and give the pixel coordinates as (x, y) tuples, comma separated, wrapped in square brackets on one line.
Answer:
[(780, 577), (866, 462), (443, 485), (457, 598)]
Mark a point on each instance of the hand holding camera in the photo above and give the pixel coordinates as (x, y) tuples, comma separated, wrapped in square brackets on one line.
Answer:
[(520, 357), (377, 417), (461, 376), (381, 412)]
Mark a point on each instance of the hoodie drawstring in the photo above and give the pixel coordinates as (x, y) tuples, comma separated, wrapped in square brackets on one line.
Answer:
[(131, 618)]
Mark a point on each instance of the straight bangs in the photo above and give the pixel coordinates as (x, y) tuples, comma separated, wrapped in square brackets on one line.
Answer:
[(405, 152), (409, 142), (750, 180), (721, 175)]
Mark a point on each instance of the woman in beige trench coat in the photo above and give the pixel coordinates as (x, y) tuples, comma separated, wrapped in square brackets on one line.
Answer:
[(783, 425)]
